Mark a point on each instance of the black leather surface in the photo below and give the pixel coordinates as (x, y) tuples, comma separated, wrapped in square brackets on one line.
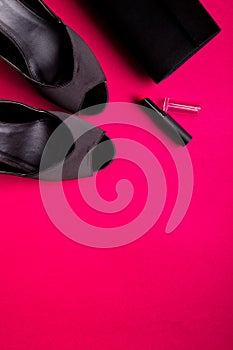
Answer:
[(40, 41), (25, 134), (50, 55)]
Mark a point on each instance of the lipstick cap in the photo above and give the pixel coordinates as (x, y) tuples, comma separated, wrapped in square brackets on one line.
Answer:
[(170, 104)]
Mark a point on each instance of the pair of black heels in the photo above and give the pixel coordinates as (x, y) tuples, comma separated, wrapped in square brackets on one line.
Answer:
[(60, 65)]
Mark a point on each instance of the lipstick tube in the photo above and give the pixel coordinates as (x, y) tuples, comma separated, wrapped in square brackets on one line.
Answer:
[(160, 116)]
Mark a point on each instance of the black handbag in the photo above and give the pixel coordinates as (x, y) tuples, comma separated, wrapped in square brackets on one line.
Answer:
[(161, 34)]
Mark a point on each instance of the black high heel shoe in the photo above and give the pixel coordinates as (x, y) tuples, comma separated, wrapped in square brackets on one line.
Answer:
[(25, 140), (54, 58)]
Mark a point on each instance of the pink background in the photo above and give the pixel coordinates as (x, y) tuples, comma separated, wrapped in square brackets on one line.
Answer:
[(163, 292)]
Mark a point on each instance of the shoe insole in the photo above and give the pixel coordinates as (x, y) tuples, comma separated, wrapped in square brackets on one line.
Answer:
[(40, 41), (22, 144)]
